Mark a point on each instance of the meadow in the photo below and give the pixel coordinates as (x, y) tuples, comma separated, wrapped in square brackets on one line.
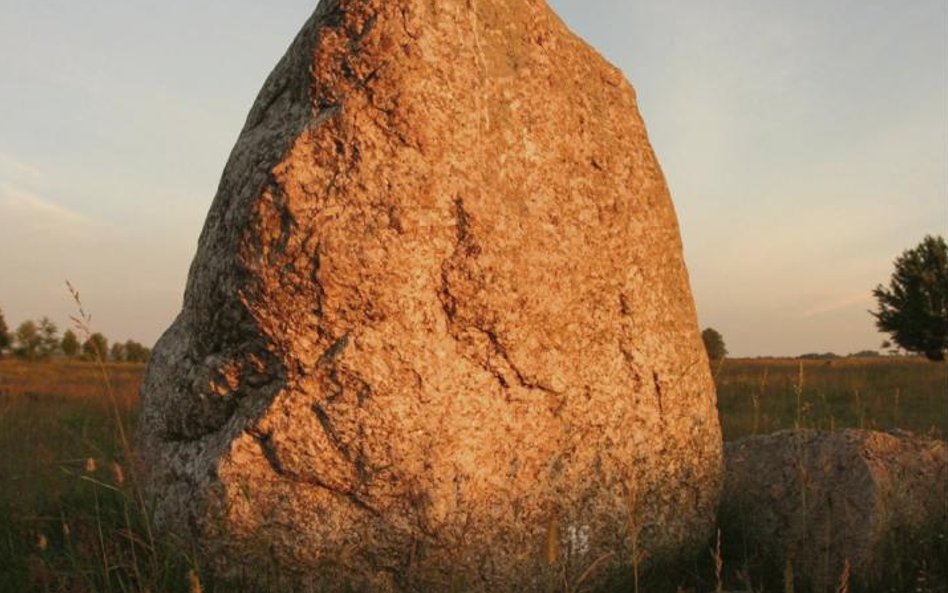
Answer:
[(73, 519), (757, 396)]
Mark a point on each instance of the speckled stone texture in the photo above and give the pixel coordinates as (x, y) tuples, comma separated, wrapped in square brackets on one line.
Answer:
[(819, 499), (438, 333)]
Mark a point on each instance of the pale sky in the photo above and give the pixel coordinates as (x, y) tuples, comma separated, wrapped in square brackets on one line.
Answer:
[(805, 143)]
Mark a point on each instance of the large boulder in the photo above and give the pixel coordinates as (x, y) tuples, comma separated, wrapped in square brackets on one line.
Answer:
[(820, 500), (438, 333)]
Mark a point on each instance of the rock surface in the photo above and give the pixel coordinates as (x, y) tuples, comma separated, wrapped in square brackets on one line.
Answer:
[(438, 333), (819, 499)]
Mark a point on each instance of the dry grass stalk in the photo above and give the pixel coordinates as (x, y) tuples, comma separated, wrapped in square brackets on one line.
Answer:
[(591, 569), (633, 530), (843, 586), (552, 542), (718, 565), (788, 577), (83, 326)]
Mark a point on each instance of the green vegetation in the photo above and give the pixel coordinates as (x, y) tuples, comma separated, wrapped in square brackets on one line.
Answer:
[(72, 517), (27, 341), (40, 340), (714, 344), (69, 520), (914, 308), (69, 344), (95, 346), (761, 395), (5, 339)]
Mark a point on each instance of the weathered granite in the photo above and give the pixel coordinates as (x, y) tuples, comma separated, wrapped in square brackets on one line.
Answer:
[(438, 333), (818, 499)]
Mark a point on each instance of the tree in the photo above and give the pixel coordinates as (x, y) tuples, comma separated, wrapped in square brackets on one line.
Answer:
[(96, 347), (819, 356), (135, 352), (118, 352), (714, 344), (914, 307), (28, 340), (5, 339), (69, 344), (891, 349), (49, 338)]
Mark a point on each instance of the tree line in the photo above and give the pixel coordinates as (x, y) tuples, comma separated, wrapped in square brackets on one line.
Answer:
[(40, 340)]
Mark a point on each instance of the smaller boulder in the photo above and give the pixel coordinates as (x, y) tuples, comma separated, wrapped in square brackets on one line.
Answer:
[(819, 499)]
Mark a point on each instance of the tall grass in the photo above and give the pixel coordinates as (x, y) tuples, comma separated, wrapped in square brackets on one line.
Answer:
[(765, 395), (73, 517)]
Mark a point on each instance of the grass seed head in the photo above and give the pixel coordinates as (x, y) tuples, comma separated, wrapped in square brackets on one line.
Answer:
[(194, 582), (118, 475)]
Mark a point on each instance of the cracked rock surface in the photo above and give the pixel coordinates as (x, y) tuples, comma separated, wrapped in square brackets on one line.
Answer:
[(438, 333)]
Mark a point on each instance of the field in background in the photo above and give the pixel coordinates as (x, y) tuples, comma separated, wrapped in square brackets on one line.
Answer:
[(67, 513), (54, 417), (71, 519), (765, 395)]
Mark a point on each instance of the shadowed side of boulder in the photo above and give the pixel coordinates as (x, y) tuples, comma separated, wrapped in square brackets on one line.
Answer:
[(821, 500)]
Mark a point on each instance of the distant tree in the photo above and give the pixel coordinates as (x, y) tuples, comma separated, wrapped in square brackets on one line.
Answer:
[(69, 344), (27, 340), (865, 354), (135, 352), (714, 344), (49, 338), (118, 352), (5, 339), (819, 356), (890, 348), (913, 310), (97, 346)]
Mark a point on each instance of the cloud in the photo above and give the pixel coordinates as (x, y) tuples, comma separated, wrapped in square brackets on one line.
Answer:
[(11, 166), (837, 303), (26, 213)]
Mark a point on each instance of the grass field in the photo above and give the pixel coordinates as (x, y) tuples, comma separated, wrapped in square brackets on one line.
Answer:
[(70, 519), (765, 395), (73, 520)]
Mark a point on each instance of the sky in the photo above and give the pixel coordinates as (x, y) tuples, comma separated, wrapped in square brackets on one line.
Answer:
[(805, 143)]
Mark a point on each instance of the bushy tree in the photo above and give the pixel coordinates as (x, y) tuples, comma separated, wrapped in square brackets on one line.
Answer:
[(117, 353), (5, 339), (914, 307), (27, 340), (49, 338), (135, 352), (70, 344), (97, 346), (714, 344)]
